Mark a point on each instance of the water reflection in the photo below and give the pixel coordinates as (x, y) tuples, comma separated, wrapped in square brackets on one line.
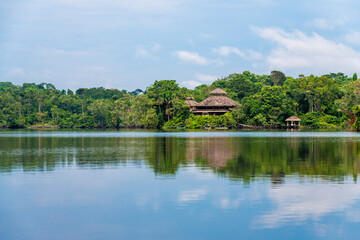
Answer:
[(206, 187), (188, 196), (296, 203), (241, 159)]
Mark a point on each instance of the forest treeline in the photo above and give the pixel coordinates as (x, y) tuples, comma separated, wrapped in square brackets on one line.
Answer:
[(328, 101)]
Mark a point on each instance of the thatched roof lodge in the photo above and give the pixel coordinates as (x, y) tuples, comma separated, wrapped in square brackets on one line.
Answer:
[(293, 121), (216, 104), (191, 103)]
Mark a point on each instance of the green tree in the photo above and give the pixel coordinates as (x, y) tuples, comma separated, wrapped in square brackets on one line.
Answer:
[(278, 77), (164, 93)]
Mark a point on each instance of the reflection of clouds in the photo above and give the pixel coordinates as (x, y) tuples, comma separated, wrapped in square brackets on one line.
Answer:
[(192, 195), (353, 216), (233, 200), (228, 203), (205, 174), (297, 203)]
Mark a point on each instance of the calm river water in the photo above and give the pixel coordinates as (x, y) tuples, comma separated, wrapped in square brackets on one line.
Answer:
[(179, 185)]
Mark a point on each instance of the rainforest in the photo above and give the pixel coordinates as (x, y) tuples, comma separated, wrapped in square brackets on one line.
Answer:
[(327, 101)]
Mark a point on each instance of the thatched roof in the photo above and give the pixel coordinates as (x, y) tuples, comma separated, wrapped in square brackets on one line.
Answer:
[(218, 101), (293, 119), (218, 91), (190, 102)]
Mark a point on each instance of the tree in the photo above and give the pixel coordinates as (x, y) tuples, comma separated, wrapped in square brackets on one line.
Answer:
[(278, 77), (242, 85), (270, 107), (163, 93), (355, 77)]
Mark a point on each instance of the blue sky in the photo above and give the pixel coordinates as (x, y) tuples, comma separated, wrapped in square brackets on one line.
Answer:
[(128, 44)]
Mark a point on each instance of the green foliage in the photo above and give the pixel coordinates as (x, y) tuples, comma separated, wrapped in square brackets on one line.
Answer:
[(354, 77), (318, 120), (311, 119), (267, 100), (99, 93), (356, 111), (278, 77), (268, 108), (199, 121), (239, 86)]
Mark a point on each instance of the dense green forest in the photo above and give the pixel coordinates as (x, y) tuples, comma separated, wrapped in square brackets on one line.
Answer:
[(328, 101)]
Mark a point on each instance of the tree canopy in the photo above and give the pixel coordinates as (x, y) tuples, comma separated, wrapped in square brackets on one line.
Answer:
[(330, 100)]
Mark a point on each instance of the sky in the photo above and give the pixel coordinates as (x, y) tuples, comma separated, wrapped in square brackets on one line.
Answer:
[(128, 44)]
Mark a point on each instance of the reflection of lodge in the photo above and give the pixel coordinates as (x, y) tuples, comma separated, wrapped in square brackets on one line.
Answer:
[(217, 151), (293, 122), (216, 104)]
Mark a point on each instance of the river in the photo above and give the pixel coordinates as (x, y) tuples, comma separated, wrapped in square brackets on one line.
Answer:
[(179, 185)]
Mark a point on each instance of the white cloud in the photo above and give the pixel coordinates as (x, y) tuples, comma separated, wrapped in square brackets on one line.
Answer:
[(142, 52), (320, 23), (191, 84), (205, 77), (191, 57), (297, 203), (192, 195), (226, 50), (353, 38), (309, 53), (200, 79), (247, 54)]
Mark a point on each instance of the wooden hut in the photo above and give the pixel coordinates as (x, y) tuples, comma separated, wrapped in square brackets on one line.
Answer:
[(216, 104), (293, 122), (191, 103)]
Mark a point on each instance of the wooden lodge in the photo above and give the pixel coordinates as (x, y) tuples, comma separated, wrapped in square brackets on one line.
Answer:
[(293, 122), (191, 103), (216, 104)]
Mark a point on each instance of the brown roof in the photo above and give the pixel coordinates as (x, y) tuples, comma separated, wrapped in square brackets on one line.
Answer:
[(218, 91), (293, 119), (218, 101), (191, 103)]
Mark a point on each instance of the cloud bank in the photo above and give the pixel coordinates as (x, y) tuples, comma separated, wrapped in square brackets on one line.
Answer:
[(309, 53)]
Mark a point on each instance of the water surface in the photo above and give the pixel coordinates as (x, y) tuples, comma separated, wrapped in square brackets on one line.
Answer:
[(179, 185)]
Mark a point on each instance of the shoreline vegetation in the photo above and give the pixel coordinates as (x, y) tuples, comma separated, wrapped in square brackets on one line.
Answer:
[(330, 101)]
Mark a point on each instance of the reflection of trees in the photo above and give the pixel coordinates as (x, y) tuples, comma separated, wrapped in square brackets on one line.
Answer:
[(329, 158), (167, 154), (235, 158), (163, 155)]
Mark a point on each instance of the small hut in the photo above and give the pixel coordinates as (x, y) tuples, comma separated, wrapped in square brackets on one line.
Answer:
[(216, 104), (190, 101), (293, 122)]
